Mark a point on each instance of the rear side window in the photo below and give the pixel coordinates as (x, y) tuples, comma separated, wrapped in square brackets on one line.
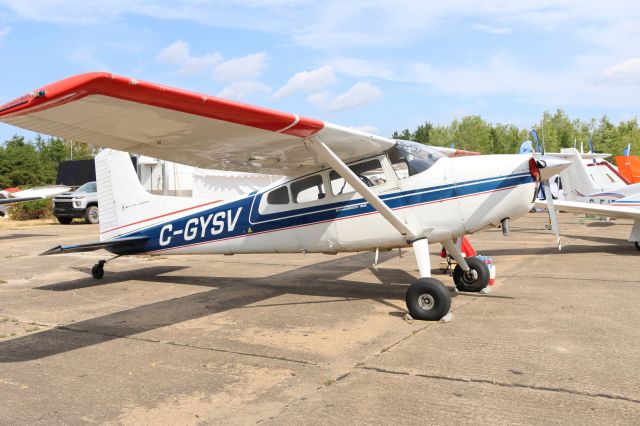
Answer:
[(308, 189), (279, 196)]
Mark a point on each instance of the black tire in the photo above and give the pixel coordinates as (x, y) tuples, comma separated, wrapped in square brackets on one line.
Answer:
[(471, 281), (64, 220), (97, 271), (91, 215), (637, 245), (428, 299)]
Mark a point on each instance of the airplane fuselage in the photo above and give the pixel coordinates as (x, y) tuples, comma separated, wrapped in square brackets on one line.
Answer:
[(454, 197)]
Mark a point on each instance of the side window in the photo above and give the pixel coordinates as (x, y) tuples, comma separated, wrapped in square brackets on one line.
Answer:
[(370, 173), (279, 196), (308, 189)]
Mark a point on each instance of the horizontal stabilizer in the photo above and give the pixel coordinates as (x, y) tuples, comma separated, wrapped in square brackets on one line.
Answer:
[(120, 245)]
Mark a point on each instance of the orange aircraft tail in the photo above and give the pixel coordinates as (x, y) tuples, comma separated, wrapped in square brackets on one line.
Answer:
[(629, 167)]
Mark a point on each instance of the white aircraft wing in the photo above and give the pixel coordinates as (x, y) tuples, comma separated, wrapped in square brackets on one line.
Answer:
[(38, 193), (4, 201), (185, 127), (584, 155), (592, 208)]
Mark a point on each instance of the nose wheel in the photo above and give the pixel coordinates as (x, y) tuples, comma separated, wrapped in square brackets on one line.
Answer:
[(473, 280), (428, 299)]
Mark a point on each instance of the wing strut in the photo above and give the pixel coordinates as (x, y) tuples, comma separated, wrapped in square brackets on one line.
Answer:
[(328, 156)]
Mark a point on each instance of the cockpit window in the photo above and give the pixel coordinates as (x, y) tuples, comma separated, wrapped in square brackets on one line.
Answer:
[(370, 173), (410, 158)]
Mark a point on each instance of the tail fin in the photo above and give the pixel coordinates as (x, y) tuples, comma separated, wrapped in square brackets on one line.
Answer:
[(576, 180), (123, 202)]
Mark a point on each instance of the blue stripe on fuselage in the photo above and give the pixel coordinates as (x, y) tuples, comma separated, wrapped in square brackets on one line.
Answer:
[(241, 217)]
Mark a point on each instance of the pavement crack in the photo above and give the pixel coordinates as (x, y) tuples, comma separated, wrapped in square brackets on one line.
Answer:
[(186, 345), (505, 384)]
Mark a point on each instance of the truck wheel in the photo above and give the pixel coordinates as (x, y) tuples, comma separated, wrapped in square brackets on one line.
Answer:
[(91, 215), (64, 220)]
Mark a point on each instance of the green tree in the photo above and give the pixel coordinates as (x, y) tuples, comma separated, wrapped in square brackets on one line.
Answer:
[(422, 133), (32, 163)]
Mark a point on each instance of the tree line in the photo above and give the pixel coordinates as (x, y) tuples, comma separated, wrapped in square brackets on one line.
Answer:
[(472, 133), (27, 163)]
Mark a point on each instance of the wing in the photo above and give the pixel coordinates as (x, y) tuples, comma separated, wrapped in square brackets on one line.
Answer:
[(185, 127), (18, 200), (591, 208)]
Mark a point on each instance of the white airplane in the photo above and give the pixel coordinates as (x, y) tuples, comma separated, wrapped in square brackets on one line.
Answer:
[(31, 194), (584, 196), (343, 190)]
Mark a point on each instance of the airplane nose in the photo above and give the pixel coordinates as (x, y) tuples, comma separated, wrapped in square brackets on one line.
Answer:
[(549, 165)]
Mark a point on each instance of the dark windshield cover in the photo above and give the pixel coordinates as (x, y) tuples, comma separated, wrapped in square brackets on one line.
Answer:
[(417, 156)]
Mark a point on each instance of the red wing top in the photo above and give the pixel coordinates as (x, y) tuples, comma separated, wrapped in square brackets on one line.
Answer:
[(181, 126)]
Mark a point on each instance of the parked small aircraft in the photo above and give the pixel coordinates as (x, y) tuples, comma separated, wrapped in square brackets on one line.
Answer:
[(343, 190), (38, 193), (584, 196)]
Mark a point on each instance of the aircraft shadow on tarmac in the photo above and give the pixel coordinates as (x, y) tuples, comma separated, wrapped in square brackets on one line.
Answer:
[(227, 293), (615, 246), (16, 236)]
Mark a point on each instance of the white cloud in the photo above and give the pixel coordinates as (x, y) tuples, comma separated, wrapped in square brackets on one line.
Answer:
[(177, 54), (239, 69), (245, 68), (624, 73), (359, 95), (307, 81), (493, 30), (244, 89)]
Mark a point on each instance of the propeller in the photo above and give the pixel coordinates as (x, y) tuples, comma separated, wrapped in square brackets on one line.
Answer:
[(549, 169)]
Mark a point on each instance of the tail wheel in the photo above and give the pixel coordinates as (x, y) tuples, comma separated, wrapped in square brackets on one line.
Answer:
[(97, 271), (91, 215), (473, 280), (428, 299)]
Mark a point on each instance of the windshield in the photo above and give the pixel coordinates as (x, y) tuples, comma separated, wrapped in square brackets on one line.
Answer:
[(87, 187), (416, 156)]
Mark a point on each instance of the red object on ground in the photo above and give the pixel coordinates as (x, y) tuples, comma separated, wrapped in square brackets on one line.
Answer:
[(467, 248), (11, 190)]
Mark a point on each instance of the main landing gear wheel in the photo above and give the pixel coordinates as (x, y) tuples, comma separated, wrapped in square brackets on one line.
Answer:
[(475, 279), (428, 299), (98, 270)]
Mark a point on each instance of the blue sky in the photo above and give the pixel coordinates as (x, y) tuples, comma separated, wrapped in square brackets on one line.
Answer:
[(374, 65)]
